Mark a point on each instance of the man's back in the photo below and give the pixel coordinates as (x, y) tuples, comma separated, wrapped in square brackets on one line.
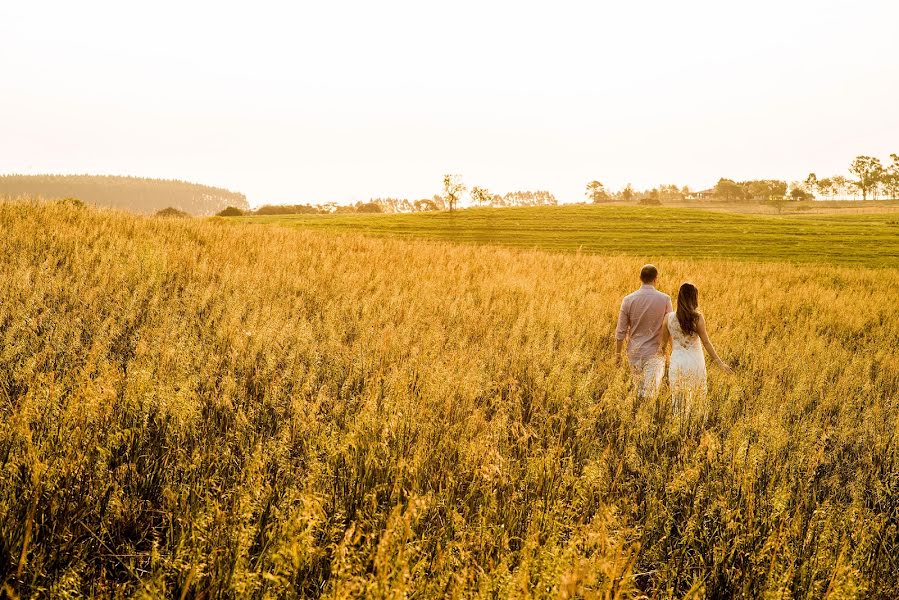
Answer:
[(643, 316)]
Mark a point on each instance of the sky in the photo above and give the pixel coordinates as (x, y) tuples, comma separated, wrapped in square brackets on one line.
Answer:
[(296, 102)]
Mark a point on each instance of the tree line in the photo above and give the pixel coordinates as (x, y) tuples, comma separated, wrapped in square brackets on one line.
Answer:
[(454, 193), (135, 194), (872, 179), (869, 179), (597, 194)]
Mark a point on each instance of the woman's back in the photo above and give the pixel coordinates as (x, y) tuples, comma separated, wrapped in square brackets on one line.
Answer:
[(686, 370), (680, 341)]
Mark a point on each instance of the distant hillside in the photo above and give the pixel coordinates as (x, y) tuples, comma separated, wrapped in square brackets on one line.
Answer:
[(135, 194)]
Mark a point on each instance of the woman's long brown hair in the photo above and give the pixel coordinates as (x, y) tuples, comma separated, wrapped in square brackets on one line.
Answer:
[(688, 308)]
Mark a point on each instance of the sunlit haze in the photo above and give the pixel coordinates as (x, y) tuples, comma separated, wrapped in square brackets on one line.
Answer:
[(344, 101)]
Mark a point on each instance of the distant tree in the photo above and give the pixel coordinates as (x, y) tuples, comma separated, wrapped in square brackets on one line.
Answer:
[(529, 198), (730, 190), (453, 188), (824, 187), (670, 193), (481, 196), (230, 211), (869, 171), (891, 177), (811, 183), (387, 205), (369, 207), (839, 186), (596, 192), (763, 190), (425, 204), (394, 205), (799, 193), (439, 201), (627, 194), (777, 203)]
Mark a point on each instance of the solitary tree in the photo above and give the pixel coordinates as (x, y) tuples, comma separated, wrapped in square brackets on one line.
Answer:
[(869, 171), (627, 194), (480, 195), (597, 193), (453, 188), (777, 203)]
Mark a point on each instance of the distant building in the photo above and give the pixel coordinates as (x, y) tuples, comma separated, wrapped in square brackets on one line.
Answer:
[(701, 195)]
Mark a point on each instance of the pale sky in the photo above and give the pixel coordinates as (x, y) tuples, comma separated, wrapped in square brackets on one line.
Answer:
[(317, 101)]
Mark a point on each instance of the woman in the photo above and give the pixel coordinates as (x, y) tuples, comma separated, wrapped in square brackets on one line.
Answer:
[(686, 329)]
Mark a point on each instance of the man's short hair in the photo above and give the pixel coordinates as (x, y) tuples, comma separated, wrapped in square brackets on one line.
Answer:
[(648, 273)]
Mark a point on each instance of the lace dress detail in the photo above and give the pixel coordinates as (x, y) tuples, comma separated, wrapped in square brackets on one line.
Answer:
[(686, 371)]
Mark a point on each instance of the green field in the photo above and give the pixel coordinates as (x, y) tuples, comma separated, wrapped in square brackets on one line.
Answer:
[(859, 239)]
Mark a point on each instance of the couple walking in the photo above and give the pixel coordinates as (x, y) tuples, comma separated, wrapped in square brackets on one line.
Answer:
[(649, 323)]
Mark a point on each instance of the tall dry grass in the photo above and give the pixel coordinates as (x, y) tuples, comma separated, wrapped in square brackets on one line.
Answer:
[(199, 409)]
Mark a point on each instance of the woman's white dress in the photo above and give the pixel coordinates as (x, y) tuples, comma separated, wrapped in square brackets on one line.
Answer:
[(686, 371)]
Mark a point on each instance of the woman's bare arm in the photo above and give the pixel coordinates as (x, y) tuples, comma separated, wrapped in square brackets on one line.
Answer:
[(707, 342)]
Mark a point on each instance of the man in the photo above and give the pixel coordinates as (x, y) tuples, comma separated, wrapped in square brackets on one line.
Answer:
[(641, 320)]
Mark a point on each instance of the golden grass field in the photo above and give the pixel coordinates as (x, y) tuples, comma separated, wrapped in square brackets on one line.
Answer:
[(200, 408)]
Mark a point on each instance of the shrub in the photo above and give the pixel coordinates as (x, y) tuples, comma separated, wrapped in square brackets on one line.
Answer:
[(231, 211), (369, 207), (73, 202), (172, 213)]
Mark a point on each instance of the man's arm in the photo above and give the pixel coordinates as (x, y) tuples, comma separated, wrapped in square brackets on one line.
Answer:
[(624, 323), (619, 344)]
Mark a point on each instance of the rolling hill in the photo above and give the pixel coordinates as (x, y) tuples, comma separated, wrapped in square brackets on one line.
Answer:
[(135, 194)]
